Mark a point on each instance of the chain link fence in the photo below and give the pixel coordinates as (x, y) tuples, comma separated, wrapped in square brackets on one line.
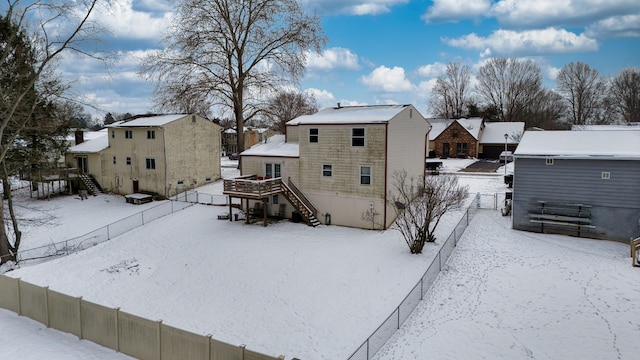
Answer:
[(393, 322)]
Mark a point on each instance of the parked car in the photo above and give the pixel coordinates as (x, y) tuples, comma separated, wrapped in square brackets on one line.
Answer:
[(233, 156), (506, 155)]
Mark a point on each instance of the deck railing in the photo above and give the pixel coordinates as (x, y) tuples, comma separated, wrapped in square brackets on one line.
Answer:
[(252, 187)]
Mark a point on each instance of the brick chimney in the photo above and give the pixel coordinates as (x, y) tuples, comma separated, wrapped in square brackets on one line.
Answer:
[(79, 135)]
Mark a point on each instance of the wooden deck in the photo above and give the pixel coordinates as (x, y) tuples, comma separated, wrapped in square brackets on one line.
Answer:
[(250, 187)]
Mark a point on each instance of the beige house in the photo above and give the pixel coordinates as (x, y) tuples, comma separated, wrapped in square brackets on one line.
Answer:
[(163, 154), (335, 166)]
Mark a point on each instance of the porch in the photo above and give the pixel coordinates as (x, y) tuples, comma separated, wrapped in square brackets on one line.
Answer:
[(252, 187)]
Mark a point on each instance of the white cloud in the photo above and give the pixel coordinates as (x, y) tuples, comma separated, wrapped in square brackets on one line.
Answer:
[(334, 58), (354, 7), (387, 79), (617, 26), (432, 70), (531, 42), (324, 98), (455, 10), (125, 22), (559, 12)]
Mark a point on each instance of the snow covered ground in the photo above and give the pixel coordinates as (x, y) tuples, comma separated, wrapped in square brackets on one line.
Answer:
[(318, 293)]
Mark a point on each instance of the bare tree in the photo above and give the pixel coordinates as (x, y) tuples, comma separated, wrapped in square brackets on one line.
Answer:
[(625, 94), (583, 90), (288, 105), (449, 95), (181, 98), (235, 52), (420, 204), (28, 56), (509, 85), (546, 111)]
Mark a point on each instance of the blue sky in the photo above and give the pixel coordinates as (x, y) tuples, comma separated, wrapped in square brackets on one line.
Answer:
[(388, 51)]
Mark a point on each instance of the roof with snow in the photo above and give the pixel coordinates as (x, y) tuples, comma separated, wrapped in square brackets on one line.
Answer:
[(94, 145), (274, 146), (472, 125), (631, 126), (370, 114), (580, 144), (493, 132), (437, 127), (144, 121)]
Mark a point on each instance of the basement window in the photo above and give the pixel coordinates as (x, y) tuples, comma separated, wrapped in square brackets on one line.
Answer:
[(606, 175), (549, 161)]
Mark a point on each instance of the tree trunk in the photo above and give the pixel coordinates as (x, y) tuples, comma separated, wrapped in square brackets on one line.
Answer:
[(5, 248)]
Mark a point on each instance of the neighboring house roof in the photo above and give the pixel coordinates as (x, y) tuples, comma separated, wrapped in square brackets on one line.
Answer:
[(493, 132), (580, 144), (95, 145), (274, 146), (632, 126), (157, 120), (472, 125), (437, 127), (350, 115)]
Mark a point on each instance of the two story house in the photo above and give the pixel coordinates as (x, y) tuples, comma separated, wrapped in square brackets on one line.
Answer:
[(162, 154), (335, 166)]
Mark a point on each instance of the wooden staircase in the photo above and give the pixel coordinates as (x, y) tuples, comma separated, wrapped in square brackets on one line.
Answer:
[(90, 184), (297, 199)]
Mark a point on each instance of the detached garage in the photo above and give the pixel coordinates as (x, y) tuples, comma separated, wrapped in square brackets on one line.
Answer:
[(581, 183)]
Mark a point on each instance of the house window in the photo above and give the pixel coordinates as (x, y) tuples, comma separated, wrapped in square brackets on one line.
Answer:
[(461, 148), (275, 200), (327, 170), (365, 175), (180, 182), (114, 159), (272, 170), (113, 134), (606, 175), (151, 134), (193, 118), (454, 133), (549, 161), (128, 160), (128, 134), (151, 163), (313, 135), (357, 137)]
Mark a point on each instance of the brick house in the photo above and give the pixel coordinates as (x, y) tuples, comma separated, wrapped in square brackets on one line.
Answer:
[(460, 138)]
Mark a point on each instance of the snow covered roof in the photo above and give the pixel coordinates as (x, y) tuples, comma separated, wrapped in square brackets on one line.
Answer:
[(473, 126), (350, 115), (493, 132), (580, 144), (158, 120), (95, 145), (437, 127), (274, 146), (632, 126)]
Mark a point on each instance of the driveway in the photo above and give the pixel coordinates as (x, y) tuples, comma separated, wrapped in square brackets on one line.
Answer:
[(483, 166)]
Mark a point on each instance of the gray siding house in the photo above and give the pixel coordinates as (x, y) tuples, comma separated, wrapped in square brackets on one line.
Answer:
[(581, 183)]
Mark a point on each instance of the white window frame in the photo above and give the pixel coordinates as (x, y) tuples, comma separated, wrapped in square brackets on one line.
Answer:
[(327, 170), (128, 134), (369, 175), (355, 137), (272, 170), (549, 161), (314, 138), (150, 163), (606, 175)]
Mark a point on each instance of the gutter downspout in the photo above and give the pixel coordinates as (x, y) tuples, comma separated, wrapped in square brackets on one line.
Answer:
[(386, 179)]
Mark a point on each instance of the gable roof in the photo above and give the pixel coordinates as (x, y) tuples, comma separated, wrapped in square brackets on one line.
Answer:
[(274, 146), (99, 142), (580, 144), (493, 132), (630, 126), (144, 121), (438, 126), (471, 125), (370, 114)]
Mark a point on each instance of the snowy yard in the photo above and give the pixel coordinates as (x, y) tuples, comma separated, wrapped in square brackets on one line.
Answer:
[(317, 293)]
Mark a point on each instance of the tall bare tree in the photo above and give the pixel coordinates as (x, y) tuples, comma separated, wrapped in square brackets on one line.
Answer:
[(288, 105), (420, 204), (509, 85), (182, 98), (235, 51), (583, 90), (34, 35), (450, 94), (625, 94)]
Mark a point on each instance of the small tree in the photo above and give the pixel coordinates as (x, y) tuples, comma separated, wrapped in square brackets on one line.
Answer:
[(420, 204)]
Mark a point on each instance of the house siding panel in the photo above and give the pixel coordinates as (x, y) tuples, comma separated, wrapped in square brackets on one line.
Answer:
[(615, 203)]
